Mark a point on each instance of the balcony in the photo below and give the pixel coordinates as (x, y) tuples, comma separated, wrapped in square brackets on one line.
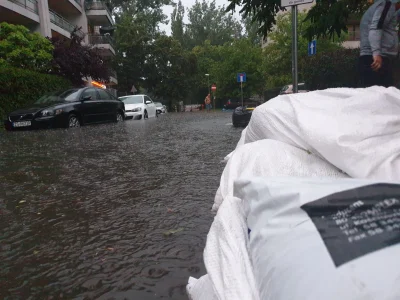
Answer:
[(31, 5), (98, 13), (104, 43), (61, 25), (66, 7)]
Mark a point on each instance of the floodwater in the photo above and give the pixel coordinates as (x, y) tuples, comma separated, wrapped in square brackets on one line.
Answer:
[(114, 211)]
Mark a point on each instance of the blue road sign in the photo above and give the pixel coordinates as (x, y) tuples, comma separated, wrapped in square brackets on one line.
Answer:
[(241, 77), (312, 48)]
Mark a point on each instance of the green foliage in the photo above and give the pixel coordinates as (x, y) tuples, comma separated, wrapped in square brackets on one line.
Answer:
[(277, 59), (22, 49), (332, 69), (209, 22), (19, 88), (224, 62), (328, 17), (169, 70)]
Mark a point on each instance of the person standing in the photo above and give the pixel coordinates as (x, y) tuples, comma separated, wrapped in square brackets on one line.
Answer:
[(207, 101), (378, 43)]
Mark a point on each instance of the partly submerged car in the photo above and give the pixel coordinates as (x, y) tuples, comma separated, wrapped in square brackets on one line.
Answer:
[(68, 108), (139, 107)]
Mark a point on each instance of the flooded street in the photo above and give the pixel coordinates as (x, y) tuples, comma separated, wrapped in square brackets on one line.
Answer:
[(115, 211)]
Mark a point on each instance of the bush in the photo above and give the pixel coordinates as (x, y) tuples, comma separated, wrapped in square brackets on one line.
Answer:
[(331, 69), (19, 88)]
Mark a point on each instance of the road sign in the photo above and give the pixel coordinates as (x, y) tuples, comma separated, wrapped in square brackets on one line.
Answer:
[(241, 77), (213, 87), (312, 48), (285, 3)]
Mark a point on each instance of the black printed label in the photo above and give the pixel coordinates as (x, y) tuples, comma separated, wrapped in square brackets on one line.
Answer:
[(356, 222)]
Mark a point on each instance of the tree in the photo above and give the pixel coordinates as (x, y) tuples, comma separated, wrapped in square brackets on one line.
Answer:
[(74, 60), (277, 62), (328, 17), (209, 22), (251, 31), (177, 23), (169, 70), (22, 49), (224, 62)]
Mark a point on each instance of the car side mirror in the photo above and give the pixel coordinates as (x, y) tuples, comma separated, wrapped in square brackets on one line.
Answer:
[(148, 102), (86, 98)]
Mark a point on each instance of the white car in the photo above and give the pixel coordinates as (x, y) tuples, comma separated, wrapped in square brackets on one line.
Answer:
[(160, 108), (139, 107)]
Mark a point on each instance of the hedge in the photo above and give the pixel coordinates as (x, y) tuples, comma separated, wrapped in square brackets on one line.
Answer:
[(20, 88), (333, 69)]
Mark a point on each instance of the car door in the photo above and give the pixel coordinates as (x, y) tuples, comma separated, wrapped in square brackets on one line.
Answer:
[(151, 106), (108, 106), (90, 105)]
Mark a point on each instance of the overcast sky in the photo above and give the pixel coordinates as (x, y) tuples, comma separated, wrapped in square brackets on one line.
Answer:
[(188, 3)]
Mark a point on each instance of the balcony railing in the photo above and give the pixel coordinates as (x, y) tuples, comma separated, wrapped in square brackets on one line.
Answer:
[(97, 5), (353, 36), (97, 39), (31, 5), (60, 21), (63, 23)]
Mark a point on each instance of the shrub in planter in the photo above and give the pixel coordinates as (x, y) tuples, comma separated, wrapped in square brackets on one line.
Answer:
[(19, 87), (332, 69)]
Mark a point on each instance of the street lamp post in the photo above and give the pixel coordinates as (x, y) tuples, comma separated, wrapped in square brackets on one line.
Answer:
[(208, 83)]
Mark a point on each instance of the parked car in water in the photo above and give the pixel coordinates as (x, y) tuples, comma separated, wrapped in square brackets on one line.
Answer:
[(160, 108), (288, 89), (68, 108), (139, 107)]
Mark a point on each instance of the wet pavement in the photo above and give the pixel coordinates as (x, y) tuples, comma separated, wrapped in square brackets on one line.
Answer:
[(114, 211)]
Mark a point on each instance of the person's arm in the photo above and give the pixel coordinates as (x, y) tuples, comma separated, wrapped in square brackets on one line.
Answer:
[(376, 32)]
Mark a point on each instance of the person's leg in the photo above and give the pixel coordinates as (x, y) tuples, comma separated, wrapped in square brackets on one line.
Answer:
[(386, 74), (368, 77)]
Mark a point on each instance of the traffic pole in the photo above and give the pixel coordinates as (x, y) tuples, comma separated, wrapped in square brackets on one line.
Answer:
[(241, 89), (294, 49)]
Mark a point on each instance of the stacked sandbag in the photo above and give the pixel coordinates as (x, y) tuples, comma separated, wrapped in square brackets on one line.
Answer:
[(325, 239), (287, 184), (269, 158), (356, 130)]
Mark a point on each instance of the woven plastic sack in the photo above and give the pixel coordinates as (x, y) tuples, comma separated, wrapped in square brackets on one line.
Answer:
[(356, 130), (270, 158), (329, 239)]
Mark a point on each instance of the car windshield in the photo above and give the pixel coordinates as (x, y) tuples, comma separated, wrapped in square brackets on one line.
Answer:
[(132, 99), (158, 104), (68, 95)]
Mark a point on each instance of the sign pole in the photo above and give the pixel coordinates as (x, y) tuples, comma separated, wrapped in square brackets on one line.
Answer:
[(294, 49), (241, 88)]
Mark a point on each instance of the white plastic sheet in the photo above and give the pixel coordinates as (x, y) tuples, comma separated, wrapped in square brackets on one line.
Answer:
[(357, 130)]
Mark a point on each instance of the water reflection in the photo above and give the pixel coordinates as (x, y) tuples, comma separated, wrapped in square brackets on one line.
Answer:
[(84, 213)]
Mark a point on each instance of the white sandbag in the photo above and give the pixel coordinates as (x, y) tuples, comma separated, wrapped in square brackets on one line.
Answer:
[(270, 158), (329, 239), (200, 289), (226, 254), (357, 130)]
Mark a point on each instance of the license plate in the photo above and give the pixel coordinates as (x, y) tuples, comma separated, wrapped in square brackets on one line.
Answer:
[(22, 124)]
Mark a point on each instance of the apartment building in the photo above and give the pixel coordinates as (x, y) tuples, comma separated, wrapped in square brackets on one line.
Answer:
[(54, 18), (353, 25)]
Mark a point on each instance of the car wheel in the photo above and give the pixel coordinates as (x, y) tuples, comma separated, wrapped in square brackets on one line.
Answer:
[(73, 121), (146, 116), (119, 117)]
